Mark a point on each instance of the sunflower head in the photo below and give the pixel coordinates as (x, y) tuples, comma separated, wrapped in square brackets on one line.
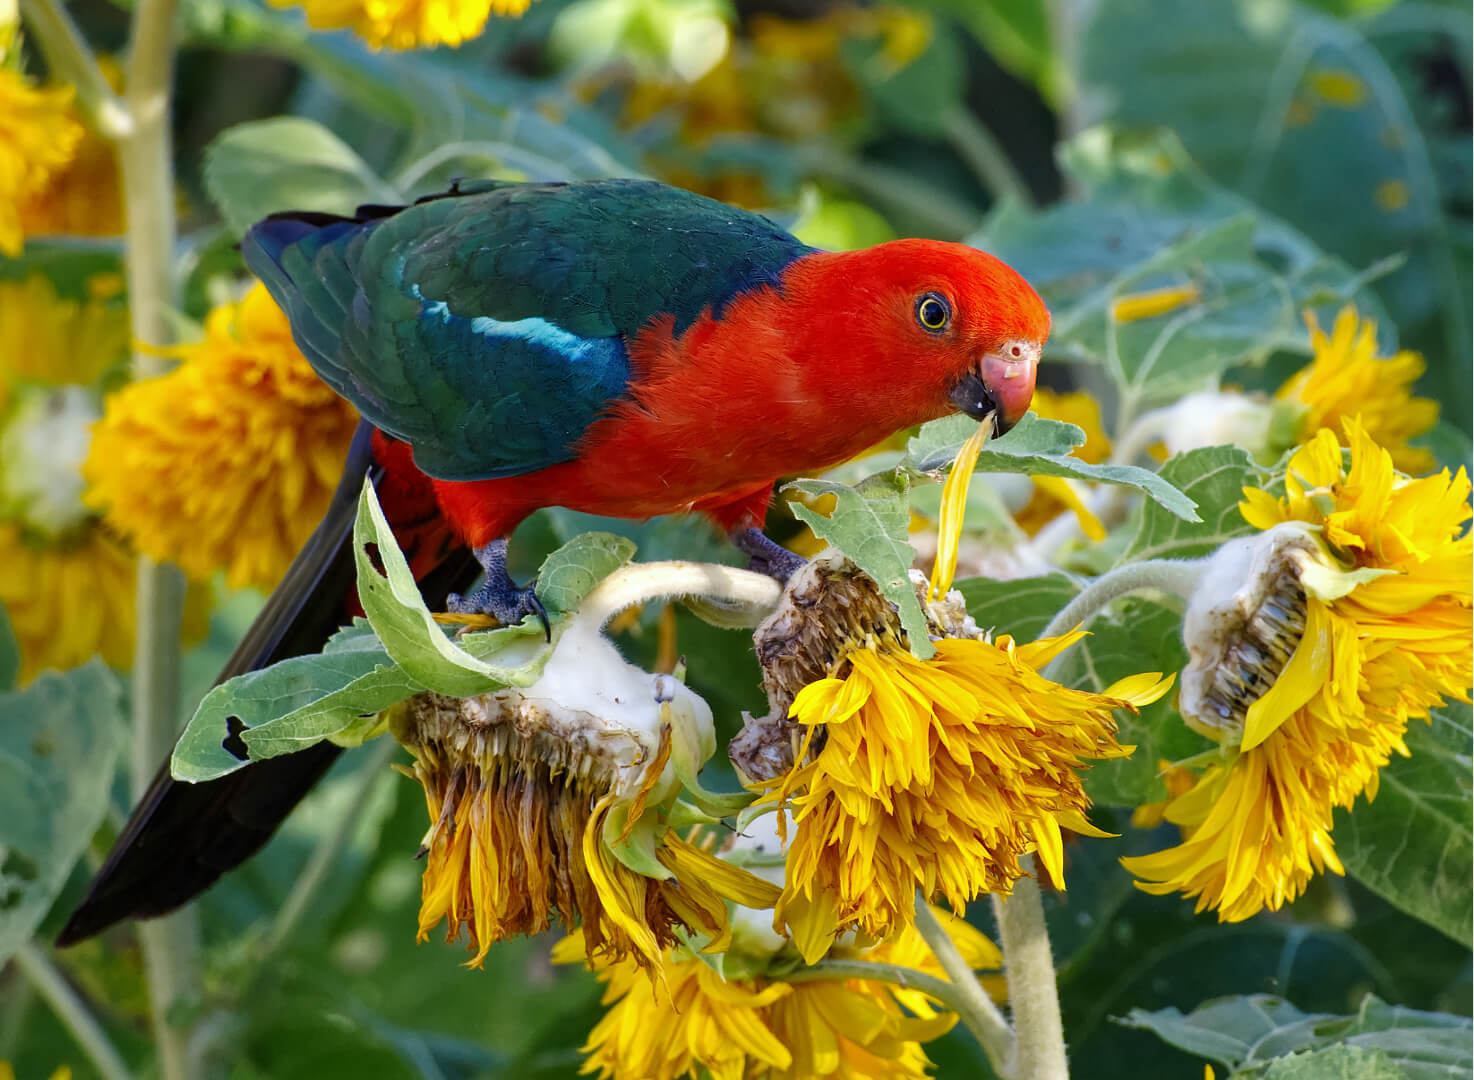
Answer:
[(1313, 644), (905, 774), (550, 801), (38, 137)]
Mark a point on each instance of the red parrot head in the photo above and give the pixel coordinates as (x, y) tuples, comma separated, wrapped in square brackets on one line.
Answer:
[(950, 328)]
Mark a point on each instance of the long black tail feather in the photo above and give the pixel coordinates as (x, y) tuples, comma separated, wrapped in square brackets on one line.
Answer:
[(182, 837)]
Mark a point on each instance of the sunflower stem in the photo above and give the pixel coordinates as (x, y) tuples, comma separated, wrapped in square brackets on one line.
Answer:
[(1176, 576), (42, 974), (1033, 996), (72, 61), (639, 583), (171, 945), (976, 1008)]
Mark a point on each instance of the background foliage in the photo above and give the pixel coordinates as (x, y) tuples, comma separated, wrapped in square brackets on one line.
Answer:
[(1279, 155)]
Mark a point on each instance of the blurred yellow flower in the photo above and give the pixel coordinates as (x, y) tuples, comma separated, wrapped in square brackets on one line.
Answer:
[(407, 24), (84, 198), (694, 1022), (38, 136), (1347, 617), (229, 460), (935, 775), (66, 585), (1347, 378), (7, 1072)]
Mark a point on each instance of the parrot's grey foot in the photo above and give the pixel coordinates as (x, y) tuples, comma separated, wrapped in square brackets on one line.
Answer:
[(766, 556), (498, 596)]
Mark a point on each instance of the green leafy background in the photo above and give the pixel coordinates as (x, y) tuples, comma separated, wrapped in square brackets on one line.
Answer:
[(1154, 143)]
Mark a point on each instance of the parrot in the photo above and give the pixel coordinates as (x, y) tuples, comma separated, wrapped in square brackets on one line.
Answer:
[(618, 346)]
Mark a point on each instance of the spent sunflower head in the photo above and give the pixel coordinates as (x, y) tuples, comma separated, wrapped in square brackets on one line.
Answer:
[(902, 774), (1347, 378), (38, 137), (1312, 644), (230, 459), (552, 800), (406, 24), (735, 1025)]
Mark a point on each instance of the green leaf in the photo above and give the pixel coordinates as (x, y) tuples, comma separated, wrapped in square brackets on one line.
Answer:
[(1336, 1063), (1412, 843), (1151, 220), (1133, 636), (868, 524), (1021, 607), (287, 163), (1212, 477), (1249, 1032), (1038, 447), (59, 741), (570, 573), (9, 653), (291, 705), (413, 639)]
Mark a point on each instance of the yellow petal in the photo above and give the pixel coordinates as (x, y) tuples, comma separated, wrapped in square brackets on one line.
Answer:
[(954, 504)]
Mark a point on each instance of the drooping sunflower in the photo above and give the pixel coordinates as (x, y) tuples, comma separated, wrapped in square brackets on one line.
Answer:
[(1313, 644), (230, 459), (38, 138), (903, 774), (407, 24), (547, 803)]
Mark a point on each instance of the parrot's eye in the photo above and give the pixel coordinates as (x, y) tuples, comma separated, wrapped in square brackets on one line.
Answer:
[(933, 312)]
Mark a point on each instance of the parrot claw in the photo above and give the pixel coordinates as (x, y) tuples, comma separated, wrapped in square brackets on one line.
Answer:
[(498, 596), (766, 556)]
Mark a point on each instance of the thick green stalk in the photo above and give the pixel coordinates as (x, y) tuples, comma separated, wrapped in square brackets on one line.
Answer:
[(1177, 576), (145, 154), (1033, 996)]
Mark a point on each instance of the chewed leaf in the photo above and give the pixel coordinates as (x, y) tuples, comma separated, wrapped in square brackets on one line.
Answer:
[(1038, 447), (868, 524)]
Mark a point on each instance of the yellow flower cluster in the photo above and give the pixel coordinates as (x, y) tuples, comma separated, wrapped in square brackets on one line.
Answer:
[(1370, 658), (694, 1019), (230, 459), (407, 24), (38, 136)]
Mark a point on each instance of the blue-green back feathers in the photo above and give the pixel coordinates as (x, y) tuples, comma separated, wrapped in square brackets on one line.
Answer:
[(487, 327)]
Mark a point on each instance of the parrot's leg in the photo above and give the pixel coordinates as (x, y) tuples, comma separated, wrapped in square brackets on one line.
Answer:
[(498, 595), (767, 556)]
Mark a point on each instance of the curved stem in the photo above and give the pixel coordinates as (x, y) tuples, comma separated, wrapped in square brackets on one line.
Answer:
[(41, 973), (977, 146), (1167, 575), (640, 583), (980, 1014), (73, 62), (1033, 996), (894, 974)]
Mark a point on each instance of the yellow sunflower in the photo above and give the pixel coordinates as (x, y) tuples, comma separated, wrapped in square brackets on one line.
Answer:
[(1313, 644), (407, 24), (695, 1022), (1347, 379), (230, 459), (549, 801), (85, 197), (38, 136)]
